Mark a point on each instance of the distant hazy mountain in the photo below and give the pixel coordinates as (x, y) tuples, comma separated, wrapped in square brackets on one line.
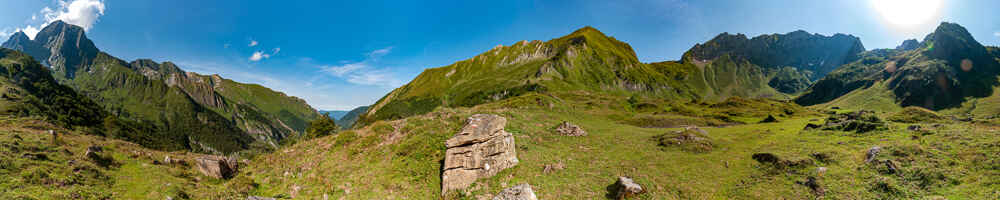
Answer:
[(334, 114), (349, 118), (186, 110)]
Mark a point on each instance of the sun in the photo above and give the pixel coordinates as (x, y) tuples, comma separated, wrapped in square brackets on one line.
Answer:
[(908, 13)]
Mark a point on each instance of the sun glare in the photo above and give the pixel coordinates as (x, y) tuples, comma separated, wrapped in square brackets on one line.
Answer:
[(906, 13)]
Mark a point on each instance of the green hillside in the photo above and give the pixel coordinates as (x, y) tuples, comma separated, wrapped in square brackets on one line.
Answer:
[(589, 61), (164, 107), (403, 158), (29, 90), (347, 121)]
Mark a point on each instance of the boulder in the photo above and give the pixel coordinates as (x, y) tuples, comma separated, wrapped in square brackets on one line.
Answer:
[(480, 150), (626, 188), (519, 192), (858, 122), (872, 154), (94, 154), (814, 185), (691, 139), (570, 129), (769, 119), (259, 198), (217, 166), (174, 161)]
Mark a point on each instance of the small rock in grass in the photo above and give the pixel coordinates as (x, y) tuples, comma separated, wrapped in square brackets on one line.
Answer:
[(570, 129), (811, 126), (814, 185), (519, 192), (820, 171), (872, 153), (549, 168), (259, 198), (626, 188), (769, 119)]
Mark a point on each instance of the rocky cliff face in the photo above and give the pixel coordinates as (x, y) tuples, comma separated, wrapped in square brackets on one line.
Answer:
[(810, 56), (811, 52), (166, 97), (62, 46), (939, 72)]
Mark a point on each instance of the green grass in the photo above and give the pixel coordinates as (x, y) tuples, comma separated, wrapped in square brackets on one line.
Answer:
[(63, 172), (401, 158)]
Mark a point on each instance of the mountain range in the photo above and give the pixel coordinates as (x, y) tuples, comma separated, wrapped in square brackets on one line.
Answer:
[(170, 108), (772, 66), (776, 116)]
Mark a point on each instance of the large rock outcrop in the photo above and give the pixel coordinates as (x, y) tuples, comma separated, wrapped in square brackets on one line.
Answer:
[(481, 149), (218, 166)]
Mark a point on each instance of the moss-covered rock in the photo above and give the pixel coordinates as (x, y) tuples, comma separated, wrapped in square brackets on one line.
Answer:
[(916, 115)]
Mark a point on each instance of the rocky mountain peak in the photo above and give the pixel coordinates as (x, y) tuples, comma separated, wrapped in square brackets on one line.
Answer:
[(953, 43), (18, 37), (799, 49), (907, 45), (64, 47)]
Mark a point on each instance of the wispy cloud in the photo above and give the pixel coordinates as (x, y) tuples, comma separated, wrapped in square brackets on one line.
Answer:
[(996, 33), (365, 72), (253, 43), (318, 93), (260, 55), (83, 13)]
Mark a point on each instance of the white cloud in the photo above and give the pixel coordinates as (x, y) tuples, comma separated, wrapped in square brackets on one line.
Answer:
[(342, 70), (364, 72), (996, 33), (260, 55), (31, 31), (253, 43), (377, 78), (83, 13)]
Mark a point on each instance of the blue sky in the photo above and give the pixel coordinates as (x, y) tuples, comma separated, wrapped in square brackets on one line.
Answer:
[(343, 54)]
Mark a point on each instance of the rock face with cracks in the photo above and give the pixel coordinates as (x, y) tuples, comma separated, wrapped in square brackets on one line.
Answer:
[(218, 166), (481, 149)]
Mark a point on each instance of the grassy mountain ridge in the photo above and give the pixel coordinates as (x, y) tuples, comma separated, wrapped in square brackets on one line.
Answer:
[(199, 112), (587, 60), (29, 90)]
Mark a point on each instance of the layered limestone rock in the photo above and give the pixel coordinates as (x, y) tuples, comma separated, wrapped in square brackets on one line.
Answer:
[(218, 166), (481, 149)]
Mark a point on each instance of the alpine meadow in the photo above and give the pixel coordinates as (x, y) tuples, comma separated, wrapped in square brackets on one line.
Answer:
[(511, 100)]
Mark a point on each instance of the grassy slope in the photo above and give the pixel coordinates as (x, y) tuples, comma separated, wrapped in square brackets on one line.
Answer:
[(584, 61), (29, 90), (291, 110), (401, 159), (133, 96), (66, 173)]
